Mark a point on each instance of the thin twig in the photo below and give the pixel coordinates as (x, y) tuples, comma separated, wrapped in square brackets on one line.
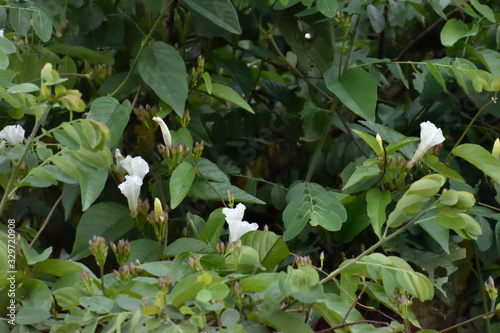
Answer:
[(213, 188), (481, 316), (52, 210), (356, 301)]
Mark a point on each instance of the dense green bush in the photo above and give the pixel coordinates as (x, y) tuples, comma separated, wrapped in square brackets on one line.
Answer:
[(133, 131)]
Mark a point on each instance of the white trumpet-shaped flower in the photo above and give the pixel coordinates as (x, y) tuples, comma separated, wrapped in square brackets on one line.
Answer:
[(136, 166), (167, 138), (13, 134), (430, 136), (237, 227), (131, 189)]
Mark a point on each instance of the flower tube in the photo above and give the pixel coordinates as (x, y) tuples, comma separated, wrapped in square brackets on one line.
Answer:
[(167, 138), (131, 189)]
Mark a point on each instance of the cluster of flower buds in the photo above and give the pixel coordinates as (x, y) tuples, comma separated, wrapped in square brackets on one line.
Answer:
[(194, 262), (303, 261), (99, 249), (489, 287), (87, 281), (198, 71), (145, 113), (148, 308), (230, 198), (158, 218), (344, 22), (101, 72), (174, 155), (220, 248), (164, 283), (68, 98), (238, 290), (121, 251), (122, 274), (198, 150), (235, 247)]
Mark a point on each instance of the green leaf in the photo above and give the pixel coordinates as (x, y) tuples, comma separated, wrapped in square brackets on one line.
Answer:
[(327, 7), (219, 12), (23, 88), (211, 171), (180, 183), (200, 189), (357, 90), (91, 186), (31, 315), (310, 202), (272, 248), (163, 69), (189, 287), (97, 304), (191, 245), (228, 94), (436, 74), (371, 141), (42, 25), (480, 158), (7, 46), (281, 321), (376, 204), (452, 31), (376, 18), (94, 57), (433, 163), (369, 169), (212, 230), (37, 294), (484, 10), (4, 62), (108, 111), (58, 267), (208, 82), (20, 18), (403, 142), (107, 219)]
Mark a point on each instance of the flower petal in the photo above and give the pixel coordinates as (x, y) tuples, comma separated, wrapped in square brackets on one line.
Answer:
[(136, 166), (13, 134), (234, 214), (131, 189), (167, 138)]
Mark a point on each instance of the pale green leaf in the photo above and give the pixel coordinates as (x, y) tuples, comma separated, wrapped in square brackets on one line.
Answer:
[(180, 183)]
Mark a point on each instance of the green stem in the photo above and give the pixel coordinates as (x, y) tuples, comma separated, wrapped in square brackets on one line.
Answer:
[(17, 166), (493, 100), (481, 288), (143, 45), (101, 271), (383, 240)]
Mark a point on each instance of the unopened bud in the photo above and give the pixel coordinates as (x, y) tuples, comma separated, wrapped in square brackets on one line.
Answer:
[(99, 249), (496, 149)]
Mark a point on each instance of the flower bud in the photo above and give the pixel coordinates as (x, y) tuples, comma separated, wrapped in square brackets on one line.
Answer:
[(496, 149), (99, 249), (87, 280), (122, 274), (122, 251), (164, 282)]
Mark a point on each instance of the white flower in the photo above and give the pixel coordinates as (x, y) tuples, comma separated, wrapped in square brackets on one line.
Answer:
[(131, 189), (430, 136), (2, 32), (135, 166), (13, 134), (237, 227), (167, 138)]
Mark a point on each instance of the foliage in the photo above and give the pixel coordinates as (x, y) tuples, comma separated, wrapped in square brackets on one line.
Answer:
[(306, 111)]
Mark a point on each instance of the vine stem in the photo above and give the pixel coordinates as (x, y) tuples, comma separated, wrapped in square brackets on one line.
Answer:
[(481, 316), (20, 162), (47, 219), (382, 240), (143, 45), (322, 93), (493, 100)]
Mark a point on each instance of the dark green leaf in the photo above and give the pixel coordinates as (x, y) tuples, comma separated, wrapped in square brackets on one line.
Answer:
[(31, 315), (163, 69), (212, 230), (357, 90), (191, 245), (480, 158), (272, 248), (42, 25), (228, 94), (220, 12), (180, 183), (376, 18), (111, 113), (376, 204), (94, 57), (105, 219), (20, 18)]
